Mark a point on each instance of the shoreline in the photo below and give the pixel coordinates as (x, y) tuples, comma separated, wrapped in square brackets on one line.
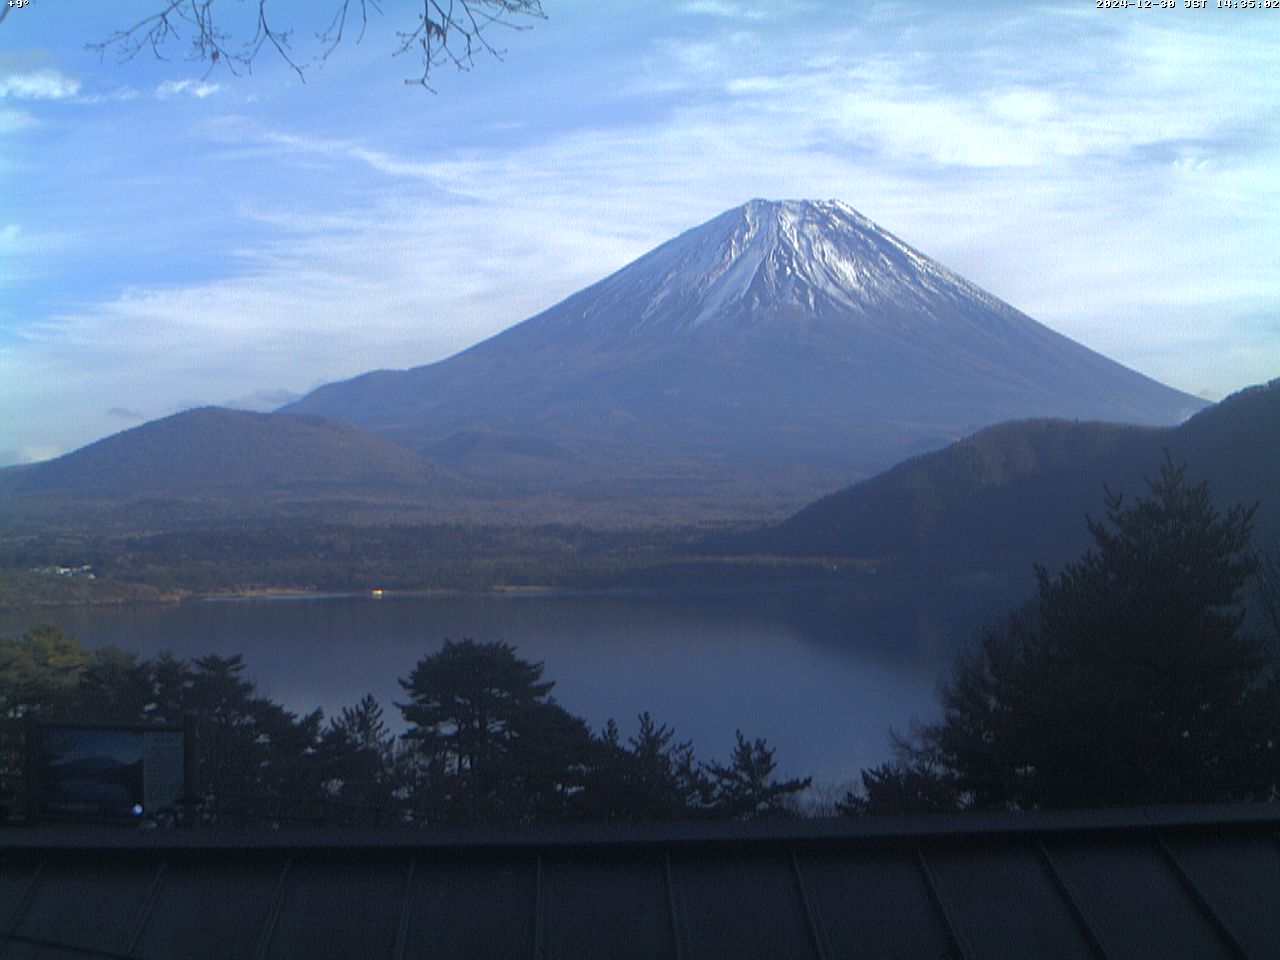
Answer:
[(898, 580)]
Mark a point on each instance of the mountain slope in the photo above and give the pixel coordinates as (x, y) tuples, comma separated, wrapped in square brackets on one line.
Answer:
[(778, 350), (1017, 493), (218, 454)]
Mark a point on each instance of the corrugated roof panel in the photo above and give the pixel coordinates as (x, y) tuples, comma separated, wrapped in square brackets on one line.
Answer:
[(27, 951), (607, 906), (740, 906), (210, 909), (16, 874), (1004, 903), (1134, 900), (472, 906), (340, 909), (777, 890), (88, 904), (873, 904), (1240, 877)]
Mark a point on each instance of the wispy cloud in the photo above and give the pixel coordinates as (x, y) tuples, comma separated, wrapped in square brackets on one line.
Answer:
[(287, 246), (116, 95), (263, 400), (11, 121), (328, 296), (728, 10), (344, 150), (189, 88), (46, 84)]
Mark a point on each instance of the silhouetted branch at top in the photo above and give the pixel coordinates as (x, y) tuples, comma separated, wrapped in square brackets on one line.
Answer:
[(441, 33)]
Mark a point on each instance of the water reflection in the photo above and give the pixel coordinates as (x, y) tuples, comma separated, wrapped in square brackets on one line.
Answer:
[(821, 675)]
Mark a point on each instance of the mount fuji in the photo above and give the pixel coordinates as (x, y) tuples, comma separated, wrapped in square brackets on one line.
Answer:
[(772, 354)]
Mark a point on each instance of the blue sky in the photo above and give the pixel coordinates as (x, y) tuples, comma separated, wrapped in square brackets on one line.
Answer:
[(171, 236)]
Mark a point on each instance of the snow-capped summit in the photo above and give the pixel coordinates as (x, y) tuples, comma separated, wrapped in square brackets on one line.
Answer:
[(809, 254), (803, 262), (781, 349)]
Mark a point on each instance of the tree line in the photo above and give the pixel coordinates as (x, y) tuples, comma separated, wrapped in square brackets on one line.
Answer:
[(485, 742), (1133, 677)]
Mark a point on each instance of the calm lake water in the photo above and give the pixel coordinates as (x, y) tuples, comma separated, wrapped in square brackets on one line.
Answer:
[(821, 676)]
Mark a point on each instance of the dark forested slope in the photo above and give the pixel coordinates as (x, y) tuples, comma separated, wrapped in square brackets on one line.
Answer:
[(1017, 493)]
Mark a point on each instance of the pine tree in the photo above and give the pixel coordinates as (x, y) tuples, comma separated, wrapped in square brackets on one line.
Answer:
[(356, 756), (40, 671), (746, 787), (1129, 680), (652, 777), (489, 741), (248, 744)]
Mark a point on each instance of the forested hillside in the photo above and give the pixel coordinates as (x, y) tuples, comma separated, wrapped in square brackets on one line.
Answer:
[(1016, 493)]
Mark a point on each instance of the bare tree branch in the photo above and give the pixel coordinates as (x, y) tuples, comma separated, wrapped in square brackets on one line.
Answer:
[(333, 36), (193, 18), (453, 33), (445, 32)]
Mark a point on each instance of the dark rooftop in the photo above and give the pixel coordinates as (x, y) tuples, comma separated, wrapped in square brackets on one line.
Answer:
[(1159, 882)]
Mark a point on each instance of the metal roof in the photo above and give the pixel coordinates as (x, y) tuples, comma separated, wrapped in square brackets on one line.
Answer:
[(1158, 882)]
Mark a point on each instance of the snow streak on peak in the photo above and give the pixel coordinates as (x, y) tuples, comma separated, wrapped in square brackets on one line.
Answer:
[(776, 259), (828, 250)]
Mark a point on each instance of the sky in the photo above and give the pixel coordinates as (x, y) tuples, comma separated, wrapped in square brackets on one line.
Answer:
[(172, 235)]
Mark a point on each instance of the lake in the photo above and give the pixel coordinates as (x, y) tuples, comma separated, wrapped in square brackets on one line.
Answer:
[(821, 675)]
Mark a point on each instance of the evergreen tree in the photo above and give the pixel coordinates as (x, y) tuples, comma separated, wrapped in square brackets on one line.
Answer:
[(652, 777), (363, 728), (171, 682), (490, 743), (1129, 680), (545, 774), (114, 686), (249, 744), (39, 674), (1266, 586), (40, 671), (359, 762), (746, 787), (902, 786)]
